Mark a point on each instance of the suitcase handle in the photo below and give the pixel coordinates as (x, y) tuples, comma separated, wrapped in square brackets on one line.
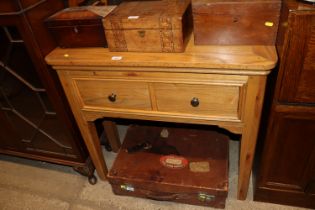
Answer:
[(159, 197)]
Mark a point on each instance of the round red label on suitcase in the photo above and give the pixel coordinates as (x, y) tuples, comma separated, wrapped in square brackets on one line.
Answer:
[(173, 161)]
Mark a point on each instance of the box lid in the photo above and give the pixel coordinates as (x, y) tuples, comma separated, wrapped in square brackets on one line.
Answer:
[(147, 15), (237, 7), (85, 15), (185, 158)]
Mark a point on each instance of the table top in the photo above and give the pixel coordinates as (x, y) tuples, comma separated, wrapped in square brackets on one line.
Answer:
[(201, 58)]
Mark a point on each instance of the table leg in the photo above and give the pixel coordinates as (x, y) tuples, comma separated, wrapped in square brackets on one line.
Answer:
[(96, 155), (88, 130), (112, 135), (253, 107)]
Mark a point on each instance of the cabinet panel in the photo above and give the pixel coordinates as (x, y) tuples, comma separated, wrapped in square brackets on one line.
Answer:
[(26, 3), (298, 65), (289, 151), (32, 125), (311, 187), (8, 138), (286, 170), (9, 6)]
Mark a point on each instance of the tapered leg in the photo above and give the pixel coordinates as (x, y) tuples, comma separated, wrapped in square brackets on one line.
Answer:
[(112, 135), (253, 107), (97, 157), (93, 145)]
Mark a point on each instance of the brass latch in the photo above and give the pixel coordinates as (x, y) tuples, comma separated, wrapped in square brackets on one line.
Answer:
[(204, 197)]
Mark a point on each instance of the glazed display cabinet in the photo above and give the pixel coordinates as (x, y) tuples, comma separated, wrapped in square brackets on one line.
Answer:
[(35, 120)]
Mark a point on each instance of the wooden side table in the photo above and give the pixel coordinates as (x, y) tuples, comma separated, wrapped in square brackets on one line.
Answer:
[(212, 85)]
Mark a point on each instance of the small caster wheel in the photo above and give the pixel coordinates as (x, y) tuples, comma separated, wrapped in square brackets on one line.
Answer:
[(92, 180)]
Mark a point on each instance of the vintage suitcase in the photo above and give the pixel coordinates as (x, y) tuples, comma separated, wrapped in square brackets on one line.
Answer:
[(79, 26), (235, 22), (149, 26), (172, 164)]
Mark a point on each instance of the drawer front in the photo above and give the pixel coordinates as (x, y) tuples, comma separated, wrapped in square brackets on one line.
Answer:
[(209, 100), (102, 94)]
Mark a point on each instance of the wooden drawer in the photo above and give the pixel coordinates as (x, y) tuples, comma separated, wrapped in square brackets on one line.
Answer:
[(199, 99), (102, 93), (198, 96)]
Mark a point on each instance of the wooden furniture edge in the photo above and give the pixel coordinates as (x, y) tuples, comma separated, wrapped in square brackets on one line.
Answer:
[(195, 59), (253, 107)]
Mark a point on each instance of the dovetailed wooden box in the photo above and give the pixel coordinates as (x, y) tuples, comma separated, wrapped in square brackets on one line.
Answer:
[(79, 26), (181, 165), (235, 22), (149, 26)]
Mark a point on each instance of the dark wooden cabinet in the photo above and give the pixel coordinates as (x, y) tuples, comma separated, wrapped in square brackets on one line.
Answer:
[(35, 119), (297, 85), (292, 139), (286, 172)]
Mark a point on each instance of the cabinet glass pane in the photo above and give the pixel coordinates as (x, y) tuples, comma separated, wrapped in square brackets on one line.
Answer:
[(24, 101)]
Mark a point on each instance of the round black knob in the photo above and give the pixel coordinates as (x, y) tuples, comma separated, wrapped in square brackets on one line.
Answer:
[(194, 102), (112, 97)]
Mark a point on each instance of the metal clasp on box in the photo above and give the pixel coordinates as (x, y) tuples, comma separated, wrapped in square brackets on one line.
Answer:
[(204, 197), (127, 187)]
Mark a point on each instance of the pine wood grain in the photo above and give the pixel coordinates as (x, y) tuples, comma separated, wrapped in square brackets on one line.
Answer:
[(202, 59), (96, 93), (218, 100), (253, 106)]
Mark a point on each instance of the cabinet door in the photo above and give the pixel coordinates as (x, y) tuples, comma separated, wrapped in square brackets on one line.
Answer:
[(9, 6), (8, 138), (310, 186), (28, 121), (298, 64), (289, 151)]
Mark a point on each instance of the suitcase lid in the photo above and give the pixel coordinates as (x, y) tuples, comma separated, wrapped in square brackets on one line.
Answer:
[(86, 15), (147, 15), (187, 159)]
